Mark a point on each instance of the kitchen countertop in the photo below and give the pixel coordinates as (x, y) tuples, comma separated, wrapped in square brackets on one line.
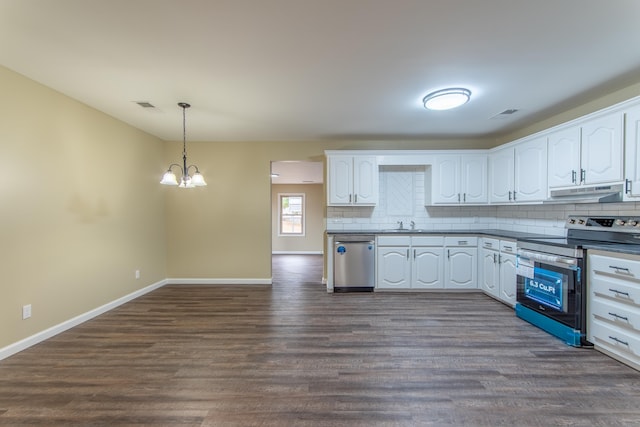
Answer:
[(615, 247), (501, 234)]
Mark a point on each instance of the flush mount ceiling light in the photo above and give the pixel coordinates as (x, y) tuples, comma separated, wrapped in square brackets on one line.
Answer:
[(446, 99), (187, 181)]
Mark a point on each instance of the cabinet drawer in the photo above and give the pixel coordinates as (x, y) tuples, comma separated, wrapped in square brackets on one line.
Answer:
[(394, 240), (490, 243), (614, 289), (621, 267), (427, 241), (615, 340), (609, 312), (507, 247), (461, 241)]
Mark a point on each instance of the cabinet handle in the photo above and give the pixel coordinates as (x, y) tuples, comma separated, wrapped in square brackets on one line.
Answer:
[(350, 198), (627, 186), (458, 197), (619, 340), (464, 197), (462, 242), (509, 195), (573, 176), (500, 259), (407, 253), (508, 249), (414, 254), (355, 198), (615, 291), (488, 244), (583, 175), (617, 316), (448, 253), (618, 269), (514, 196), (494, 258)]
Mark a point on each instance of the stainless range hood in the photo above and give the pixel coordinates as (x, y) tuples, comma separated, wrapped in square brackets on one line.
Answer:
[(588, 194)]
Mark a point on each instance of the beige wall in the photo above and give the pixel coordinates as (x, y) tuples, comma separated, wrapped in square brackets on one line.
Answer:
[(564, 115), (314, 198), (80, 208)]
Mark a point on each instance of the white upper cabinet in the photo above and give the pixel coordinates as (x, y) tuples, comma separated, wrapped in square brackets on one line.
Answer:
[(352, 180), (501, 175), (531, 171), (587, 154), (519, 174), (459, 179), (632, 154)]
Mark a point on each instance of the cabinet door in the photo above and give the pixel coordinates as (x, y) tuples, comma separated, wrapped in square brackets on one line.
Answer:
[(564, 158), (508, 279), (446, 180), (474, 179), (489, 272), (428, 268), (501, 175), (531, 171), (393, 267), (365, 180), (632, 154), (340, 180), (602, 149), (461, 268)]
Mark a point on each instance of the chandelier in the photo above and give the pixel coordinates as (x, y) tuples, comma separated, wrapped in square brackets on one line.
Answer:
[(187, 181)]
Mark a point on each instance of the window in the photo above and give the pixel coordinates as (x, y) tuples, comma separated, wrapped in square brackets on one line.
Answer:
[(291, 207)]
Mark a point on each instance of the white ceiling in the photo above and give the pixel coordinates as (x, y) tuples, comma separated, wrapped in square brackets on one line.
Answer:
[(323, 69)]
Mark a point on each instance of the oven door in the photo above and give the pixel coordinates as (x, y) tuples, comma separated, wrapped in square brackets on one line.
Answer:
[(551, 286)]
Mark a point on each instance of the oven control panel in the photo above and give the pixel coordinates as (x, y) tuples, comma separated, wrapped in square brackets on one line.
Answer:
[(614, 223)]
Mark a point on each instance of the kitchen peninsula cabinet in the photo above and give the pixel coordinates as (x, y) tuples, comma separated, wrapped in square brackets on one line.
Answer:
[(613, 305), (590, 153), (519, 173), (352, 180), (459, 179)]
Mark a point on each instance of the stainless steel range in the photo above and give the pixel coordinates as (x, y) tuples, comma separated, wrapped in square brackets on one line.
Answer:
[(551, 281)]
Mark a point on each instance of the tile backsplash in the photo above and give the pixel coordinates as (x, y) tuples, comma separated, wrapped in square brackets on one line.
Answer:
[(402, 198)]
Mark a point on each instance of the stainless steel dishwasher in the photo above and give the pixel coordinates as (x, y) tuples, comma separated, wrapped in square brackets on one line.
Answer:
[(354, 263)]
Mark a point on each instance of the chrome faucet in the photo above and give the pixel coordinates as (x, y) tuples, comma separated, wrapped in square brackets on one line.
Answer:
[(400, 226), (413, 225)]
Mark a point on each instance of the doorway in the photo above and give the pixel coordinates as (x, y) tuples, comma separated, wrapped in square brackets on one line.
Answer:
[(297, 222)]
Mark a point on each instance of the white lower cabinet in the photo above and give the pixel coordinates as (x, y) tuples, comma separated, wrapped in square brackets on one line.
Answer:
[(410, 262), (497, 269), (613, 305), (460, 266), (508, 280)]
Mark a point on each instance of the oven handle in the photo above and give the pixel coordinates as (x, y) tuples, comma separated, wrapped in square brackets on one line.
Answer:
[(555, 260)]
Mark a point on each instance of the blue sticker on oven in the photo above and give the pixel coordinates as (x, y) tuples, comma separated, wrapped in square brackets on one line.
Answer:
[(546, 288)]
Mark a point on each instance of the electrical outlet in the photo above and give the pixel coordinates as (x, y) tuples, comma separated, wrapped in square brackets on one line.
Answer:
[(137, 274), (26, 311)]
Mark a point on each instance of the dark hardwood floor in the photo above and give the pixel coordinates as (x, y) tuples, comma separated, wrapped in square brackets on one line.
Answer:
[(293, 355)]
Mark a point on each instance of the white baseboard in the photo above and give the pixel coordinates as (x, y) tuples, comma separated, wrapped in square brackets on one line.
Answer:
[(17, 347), (297, 252), (178, 281)]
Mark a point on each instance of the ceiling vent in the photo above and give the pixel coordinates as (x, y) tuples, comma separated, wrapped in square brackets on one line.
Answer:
[(145, 104), (506, 113)]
